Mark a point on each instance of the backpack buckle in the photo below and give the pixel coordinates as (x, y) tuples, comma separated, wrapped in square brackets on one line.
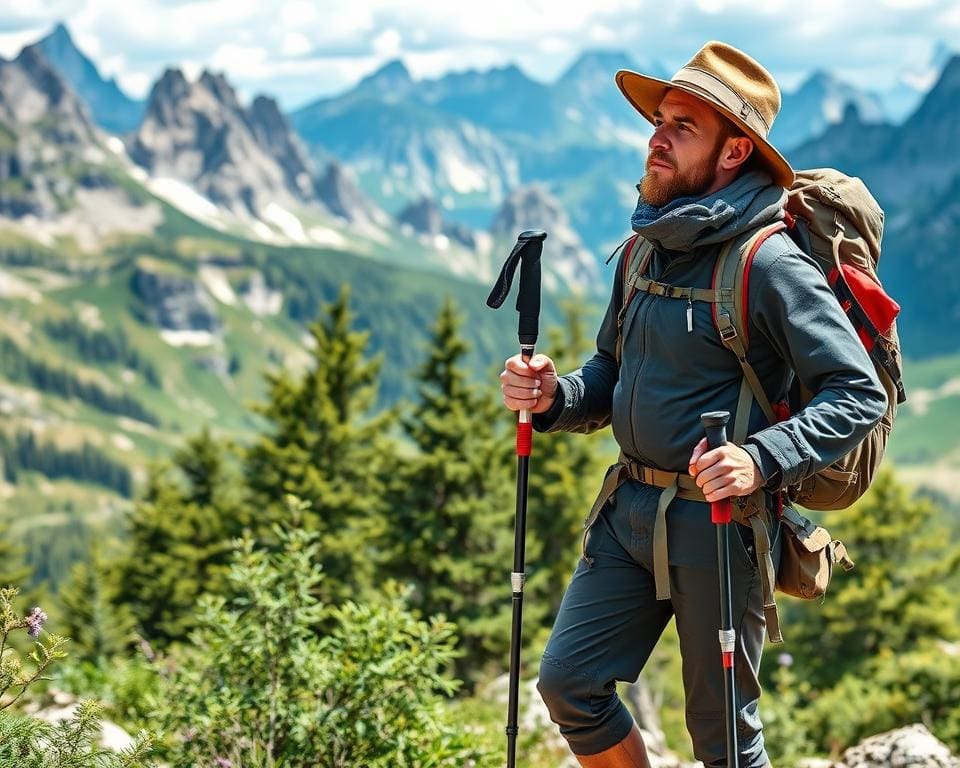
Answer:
[(728, 332)]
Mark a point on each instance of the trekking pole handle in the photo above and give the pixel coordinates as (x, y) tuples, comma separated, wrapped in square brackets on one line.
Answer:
[(525, 417), (526, 255), (715, 425)]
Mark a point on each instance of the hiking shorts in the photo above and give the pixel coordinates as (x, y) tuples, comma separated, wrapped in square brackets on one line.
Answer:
[(610, 620)]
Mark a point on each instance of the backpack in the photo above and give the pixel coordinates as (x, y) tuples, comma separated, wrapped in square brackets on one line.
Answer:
[(834, 219)]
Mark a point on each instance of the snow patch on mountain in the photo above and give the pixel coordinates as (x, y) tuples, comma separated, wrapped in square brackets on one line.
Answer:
[(214, 279), (285, 221), (184, 197), (188, 338)]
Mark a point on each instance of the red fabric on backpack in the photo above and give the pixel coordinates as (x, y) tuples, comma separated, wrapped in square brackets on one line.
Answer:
[(878, 306)]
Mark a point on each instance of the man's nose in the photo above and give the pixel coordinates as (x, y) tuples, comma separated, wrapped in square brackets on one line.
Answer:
[(658, 140)]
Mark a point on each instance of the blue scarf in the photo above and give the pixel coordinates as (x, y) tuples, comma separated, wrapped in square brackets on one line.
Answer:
[(749, 201)]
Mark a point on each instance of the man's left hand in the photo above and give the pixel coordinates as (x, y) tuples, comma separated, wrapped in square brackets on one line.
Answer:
[(724, 472)]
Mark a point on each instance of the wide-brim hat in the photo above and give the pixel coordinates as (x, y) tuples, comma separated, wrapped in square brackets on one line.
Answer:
[(729, 81)]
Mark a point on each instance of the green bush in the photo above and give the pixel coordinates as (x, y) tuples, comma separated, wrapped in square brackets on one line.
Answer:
[(275, 677), (27, 742)]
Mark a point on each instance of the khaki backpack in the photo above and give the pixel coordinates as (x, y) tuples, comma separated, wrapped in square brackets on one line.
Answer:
[(833, 218)]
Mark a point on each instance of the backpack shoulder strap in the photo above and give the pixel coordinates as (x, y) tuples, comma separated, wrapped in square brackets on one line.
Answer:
[(638, 253), (731, 317)]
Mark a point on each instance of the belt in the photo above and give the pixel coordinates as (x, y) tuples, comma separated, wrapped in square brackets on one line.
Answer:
[(749, 510), (674, 484)]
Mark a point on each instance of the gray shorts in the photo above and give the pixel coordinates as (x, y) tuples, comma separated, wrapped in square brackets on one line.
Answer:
[(610, 620)]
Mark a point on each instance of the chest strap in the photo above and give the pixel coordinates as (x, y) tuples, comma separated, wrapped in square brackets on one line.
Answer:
[(709, 295)]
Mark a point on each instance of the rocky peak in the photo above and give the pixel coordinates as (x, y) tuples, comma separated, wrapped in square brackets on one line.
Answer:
[(945, 95), (274, 131), (593, 65), (390, 82), (166, 94), (201, 134), (32, 92), (266, 117), (42, 76), (340, 193), (533, 207), (109, 106), (59, 45), (424, 217), (216, 84)]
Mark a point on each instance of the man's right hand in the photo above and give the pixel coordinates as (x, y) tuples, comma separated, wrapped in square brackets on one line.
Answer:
[(530, 385)]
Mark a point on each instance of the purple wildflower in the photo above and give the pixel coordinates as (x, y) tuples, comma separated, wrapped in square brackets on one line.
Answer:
[(35, 622), (785, 660), (222, 762)]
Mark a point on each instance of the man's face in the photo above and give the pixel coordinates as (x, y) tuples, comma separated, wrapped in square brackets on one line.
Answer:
[(684, 150)]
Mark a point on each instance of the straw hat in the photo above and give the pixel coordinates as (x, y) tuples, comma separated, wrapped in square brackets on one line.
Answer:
[(729, 81)]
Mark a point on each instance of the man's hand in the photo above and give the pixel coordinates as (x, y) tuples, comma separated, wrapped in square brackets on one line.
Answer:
[(532, 385), (724, 472)]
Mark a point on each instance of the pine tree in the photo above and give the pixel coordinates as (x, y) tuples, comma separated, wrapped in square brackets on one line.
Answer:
[(98, 628), (180, 537), (452, 503), (324, 447)]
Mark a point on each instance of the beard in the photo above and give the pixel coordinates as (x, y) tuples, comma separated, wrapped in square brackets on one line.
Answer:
[(693, 182)]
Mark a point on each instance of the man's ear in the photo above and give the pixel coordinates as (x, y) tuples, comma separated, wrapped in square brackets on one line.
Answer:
[(735, 153)]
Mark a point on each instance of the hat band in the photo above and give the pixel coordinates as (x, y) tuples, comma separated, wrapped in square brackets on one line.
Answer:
[(719, 91)]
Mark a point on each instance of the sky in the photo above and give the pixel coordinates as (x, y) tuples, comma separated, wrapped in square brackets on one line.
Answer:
[(297, 50)]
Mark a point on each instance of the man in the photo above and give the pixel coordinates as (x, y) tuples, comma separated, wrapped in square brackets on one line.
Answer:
[(711, 176)]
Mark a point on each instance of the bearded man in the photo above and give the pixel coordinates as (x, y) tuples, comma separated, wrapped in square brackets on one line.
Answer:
[(711, 177)]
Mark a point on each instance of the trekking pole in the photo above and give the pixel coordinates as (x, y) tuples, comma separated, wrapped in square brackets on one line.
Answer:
[(527, 253), (721, 513)]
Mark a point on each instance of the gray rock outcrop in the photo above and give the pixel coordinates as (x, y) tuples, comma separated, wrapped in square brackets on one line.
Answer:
[(910, 747), (174, 302)]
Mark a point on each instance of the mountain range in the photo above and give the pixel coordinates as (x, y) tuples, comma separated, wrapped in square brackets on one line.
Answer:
[(430, 172), (156, 256)]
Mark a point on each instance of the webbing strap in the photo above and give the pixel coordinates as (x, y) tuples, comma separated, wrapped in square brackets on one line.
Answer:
[(709, 295), (661, 558), (768, 577), (732, 341), (741, 423), (674, 484), (637, 258)]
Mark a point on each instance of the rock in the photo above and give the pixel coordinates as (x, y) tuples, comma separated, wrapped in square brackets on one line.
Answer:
[(112, 736), (910, 747), (173, 301), (425, 218), (818, 762), (199, 133), (566, 262)]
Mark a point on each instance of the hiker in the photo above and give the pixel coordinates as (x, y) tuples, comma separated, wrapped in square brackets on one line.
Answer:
[(711, 177)]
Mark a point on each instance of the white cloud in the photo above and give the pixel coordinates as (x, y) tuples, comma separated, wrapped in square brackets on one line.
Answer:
[(295, 44), (301, 49), (12, 42), (244, 61), (388, 43)]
